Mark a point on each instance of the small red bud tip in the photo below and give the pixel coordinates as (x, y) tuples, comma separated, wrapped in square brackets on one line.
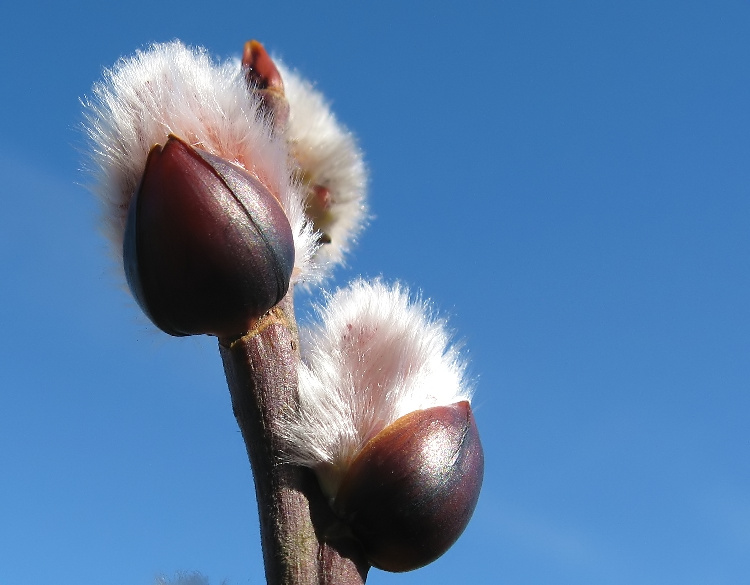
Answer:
[(322, 196), (411, 491), (260, 68), (318, 208), (263, 77), (207, 248)]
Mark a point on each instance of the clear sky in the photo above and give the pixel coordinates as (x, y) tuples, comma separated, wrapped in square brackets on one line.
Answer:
[(569, 182)]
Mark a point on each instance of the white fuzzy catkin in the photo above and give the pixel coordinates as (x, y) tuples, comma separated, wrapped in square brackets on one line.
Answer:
[(173, 89), (329, 156), (375, 357)]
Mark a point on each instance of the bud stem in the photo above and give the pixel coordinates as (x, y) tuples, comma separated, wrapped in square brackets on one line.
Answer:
[(302, 544)]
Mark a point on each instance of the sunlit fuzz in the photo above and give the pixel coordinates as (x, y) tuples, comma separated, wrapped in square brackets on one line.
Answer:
[(331, 169), (375, 356), (172, 89)]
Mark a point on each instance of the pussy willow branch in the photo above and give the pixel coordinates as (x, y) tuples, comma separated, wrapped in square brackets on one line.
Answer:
[(303, 542)]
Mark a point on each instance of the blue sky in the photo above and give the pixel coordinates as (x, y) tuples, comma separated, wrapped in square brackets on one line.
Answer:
[(570, 184)]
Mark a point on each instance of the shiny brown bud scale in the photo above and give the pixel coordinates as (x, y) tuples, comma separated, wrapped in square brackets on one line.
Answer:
[(411, 491), (208, 248)]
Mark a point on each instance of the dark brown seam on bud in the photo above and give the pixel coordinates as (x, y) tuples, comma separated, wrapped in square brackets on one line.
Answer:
[(258, 228), (465, 432)]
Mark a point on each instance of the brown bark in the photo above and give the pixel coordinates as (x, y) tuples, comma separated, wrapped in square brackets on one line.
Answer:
[(303, 542)]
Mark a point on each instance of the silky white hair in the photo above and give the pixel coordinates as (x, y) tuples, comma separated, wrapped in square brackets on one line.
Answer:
[(173, 89), (329, 156), (375, 357)]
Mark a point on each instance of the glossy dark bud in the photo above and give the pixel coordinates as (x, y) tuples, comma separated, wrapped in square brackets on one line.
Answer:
[(208, 248), (411, 491)]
